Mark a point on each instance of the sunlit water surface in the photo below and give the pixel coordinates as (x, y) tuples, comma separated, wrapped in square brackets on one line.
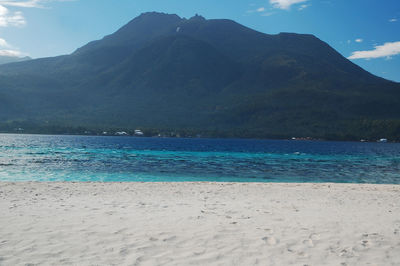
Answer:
[(106, 159)]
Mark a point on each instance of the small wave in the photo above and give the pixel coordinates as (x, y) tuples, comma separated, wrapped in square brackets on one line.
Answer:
[(6, 164), (36, 153), (39, 161)]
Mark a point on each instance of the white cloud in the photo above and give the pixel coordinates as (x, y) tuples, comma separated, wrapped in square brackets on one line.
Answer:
[(7, 49), (261, 10), (387, 50), (19, 3), (359, 40), (285, 4), (16, 18), (11, 53), (4, 43), (393, 20), (8, 18), (302, 7), (29, 3), (267, 14)]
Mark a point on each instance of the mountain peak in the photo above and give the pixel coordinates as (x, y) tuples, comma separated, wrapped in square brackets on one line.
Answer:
[(137, 32), (197, 17), (155, 14)]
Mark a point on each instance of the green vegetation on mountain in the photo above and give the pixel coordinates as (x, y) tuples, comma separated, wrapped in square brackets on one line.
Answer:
[(162, 73)]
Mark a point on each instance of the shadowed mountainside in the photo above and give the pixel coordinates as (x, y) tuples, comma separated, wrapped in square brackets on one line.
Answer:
[(161, 72)]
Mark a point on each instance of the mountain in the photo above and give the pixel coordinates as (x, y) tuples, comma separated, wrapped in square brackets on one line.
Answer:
[(163, 73), (12, 59)]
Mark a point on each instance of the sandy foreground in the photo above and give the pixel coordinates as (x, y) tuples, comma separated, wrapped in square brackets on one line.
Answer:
[(199, 224)]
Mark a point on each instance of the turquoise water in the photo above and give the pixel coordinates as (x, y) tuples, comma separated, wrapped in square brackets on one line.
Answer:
[(106, 159)]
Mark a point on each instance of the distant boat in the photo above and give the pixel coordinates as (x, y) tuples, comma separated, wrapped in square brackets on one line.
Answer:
[(383, 140)]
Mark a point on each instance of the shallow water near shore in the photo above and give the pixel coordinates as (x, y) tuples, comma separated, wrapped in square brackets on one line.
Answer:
[(125, 159)]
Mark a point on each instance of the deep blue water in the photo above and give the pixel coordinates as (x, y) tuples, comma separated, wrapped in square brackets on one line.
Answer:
[(83, 158)]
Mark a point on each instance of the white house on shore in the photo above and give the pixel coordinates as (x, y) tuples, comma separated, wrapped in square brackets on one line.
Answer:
[(121, 133), (138, 132)]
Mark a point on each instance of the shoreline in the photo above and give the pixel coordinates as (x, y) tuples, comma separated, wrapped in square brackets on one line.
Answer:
[(200, 183), (288, 184), (286, 138), (199, 223)]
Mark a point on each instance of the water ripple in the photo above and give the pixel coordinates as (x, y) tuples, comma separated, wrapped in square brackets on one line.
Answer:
[(77, 158)]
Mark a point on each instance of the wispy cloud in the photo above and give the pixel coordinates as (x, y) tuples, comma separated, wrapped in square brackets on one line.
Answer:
[(262, 11), (8, 18), (386, 50), (16, 18), (286, 4), (29, 3), (4, 43), (7, 49), (393, 20), (19, 3), (11, 53), (267, 14), (302, 7)]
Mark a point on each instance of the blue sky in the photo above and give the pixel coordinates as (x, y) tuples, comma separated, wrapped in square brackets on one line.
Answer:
[(366, 31)]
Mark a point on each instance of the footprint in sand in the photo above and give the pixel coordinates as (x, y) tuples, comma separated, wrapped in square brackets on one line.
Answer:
[(269, 231), (364, 244), (315, 237), (199, 251), (270, 240), (309, 243), (124, 252), (171, 238), (302, 254), (346, 253)]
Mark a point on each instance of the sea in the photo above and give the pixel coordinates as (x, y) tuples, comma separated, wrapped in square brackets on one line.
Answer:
[(135, 159)]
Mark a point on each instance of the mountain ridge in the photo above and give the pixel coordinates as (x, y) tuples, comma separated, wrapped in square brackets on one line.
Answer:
[(12, 59)]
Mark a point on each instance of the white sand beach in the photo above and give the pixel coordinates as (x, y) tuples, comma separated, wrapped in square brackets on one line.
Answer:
[(199, 224)]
